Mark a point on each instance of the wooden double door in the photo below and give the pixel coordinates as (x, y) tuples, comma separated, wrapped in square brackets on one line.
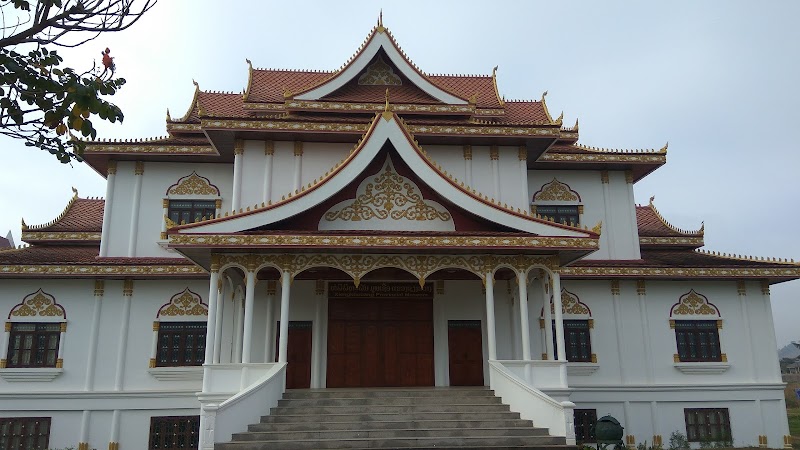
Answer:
[(376, 342)]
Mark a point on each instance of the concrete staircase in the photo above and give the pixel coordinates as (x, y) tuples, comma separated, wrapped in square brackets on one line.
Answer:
[(392, 418)]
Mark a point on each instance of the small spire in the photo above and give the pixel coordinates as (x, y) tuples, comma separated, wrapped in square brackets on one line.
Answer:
[(74, 193), (249, 63), (651, 200), (169, 118), (560, 119), (196, 84), (494, 71), (380, 18), (575, 128)]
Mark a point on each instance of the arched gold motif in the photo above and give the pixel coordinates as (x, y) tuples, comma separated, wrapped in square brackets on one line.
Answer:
[(388, 195), (38, 304), (691, 304), (193, 184), (571, 304), (186, 303), (379, 74), (556, 191)]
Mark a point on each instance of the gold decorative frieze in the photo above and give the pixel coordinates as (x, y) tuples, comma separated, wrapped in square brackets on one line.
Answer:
[(388, 195), (641, 287), (494, 153), (8, 327), (467, 152), (112, 167), (192, 184), (571, 304), (238, 147), (272, 287), (79, 236), (692, 303), (83, 446), (289, 240), (629, 177), (741, 287), (604, 176), (298, 148), (63, 327), (138, 168), (764, 287), (186, 303), (522, 153), (615, 287), (87, 270), (472, 129), (688, 241), (152, 363), (3, 363), (556, 191), (122, 148), (604, 158), (156, 325), (269, 147), (358, 265), (379, 74), (762, 441), (59, 363), (38, 304), (113, 446), (99, 287), (365, 107)]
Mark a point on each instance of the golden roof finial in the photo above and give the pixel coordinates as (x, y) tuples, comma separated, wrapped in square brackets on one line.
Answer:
[(575, 128), (664, 148), (196, 84), (474, 99), (380, 18), (544, 94), (560, 119), (387, 111), (249, 63), (169, 118), (598, 228), (651, 200), (24, 225), (74, 192)]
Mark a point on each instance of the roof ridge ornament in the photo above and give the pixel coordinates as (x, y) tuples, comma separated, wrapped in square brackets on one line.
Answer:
[(494, 83), (664, 221), (246, 93), (546, 111)]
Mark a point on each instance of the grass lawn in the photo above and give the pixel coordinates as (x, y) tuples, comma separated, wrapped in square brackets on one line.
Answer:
[(794, 421)]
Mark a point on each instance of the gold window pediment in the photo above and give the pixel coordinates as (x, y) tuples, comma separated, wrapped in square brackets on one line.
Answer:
[(186, 303), (694, 304)]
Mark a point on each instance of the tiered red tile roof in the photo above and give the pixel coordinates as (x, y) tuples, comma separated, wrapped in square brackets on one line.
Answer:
[(81, 215), (651, 224)]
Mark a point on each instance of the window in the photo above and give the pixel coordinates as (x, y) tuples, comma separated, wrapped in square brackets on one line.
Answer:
[(576, 340), (190, 211), (33, 344), (24, 433), (707, 424), (698, 340), (564, 214), (181, 344), (585, 420), (174, 432)]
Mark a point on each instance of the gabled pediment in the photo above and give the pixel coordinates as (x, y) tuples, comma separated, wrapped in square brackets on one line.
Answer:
[(380, 46), (386, 130)]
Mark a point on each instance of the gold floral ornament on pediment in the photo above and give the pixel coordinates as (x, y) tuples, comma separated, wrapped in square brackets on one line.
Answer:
[(186, 303), (38, 304), (556, 191), (694, 304), (379, 73), (193, 184), (572, 305), (388, 195)]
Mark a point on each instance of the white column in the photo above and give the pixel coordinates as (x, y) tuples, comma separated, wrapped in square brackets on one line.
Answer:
[(525, 203), (269, 151), (286, 281), (641, 292), (4, 345), (618, 324), (138, 173), (741, 289), (249, 305), (211, 326), (522, 279), (238, 323), (491, 338), (122, 347), (221, 293), (164, 216), (316, 334), (61, 345), (772, 349), (548, 318), (559, 318), (238, 152), (83, 442), (654, 421), (494, 155), (113, 443), (154, 344), (91, 357), (468, 165), (110, 181), (513, 321), (632, 211), (298, 166), (609, 216), (269, 335)]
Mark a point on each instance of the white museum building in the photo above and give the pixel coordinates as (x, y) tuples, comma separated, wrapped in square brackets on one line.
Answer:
[(377, 229)]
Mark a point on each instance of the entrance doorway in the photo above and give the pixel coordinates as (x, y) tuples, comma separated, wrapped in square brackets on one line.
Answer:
[(465, 346), (298, 354), (376, 342)]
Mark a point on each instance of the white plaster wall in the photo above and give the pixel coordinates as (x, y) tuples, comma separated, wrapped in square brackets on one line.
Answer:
[(157, 178)]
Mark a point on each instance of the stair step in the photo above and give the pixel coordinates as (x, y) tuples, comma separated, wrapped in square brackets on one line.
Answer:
[(389, 425), (424, 442), (368, 416), (395, 409), (388, 392), (388, 401), (385, 434)]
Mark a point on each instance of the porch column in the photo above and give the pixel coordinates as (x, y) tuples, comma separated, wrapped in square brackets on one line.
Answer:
[(283, 345), (269, 335), (269, 151), (238, 152), (221, 294), (548, 319), (110, 181), (138, 173), (316, 348), (249, 303), (562, 351), (211, 328), (522, 280), (238, 321), (490, 332)]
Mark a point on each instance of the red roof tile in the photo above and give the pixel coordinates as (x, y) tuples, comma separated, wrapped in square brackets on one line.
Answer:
[(651, 224), (525, 112), (81, 215), (268, 86), (59, 255), (468, 85)]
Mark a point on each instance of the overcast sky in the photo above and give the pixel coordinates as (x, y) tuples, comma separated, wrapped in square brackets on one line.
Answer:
[(718, 80)]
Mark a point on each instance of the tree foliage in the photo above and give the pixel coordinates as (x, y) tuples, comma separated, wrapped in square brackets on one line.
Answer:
[(46, 105)]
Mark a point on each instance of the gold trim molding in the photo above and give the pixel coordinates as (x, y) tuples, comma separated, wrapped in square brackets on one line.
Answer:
[(71, 270), (680, 272), (31, 236), (604, 158), (692, 241), (151, 149), (466, 242)]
